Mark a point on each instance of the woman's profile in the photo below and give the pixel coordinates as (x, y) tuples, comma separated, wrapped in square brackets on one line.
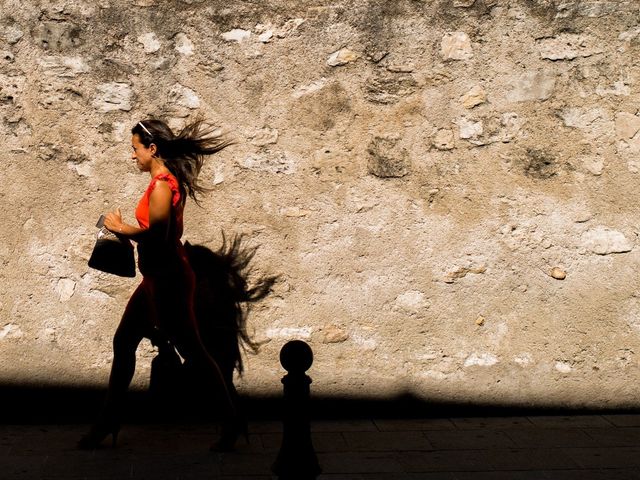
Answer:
[(162, 306)]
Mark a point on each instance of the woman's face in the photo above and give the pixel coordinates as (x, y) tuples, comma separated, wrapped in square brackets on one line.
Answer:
[(143, 156)]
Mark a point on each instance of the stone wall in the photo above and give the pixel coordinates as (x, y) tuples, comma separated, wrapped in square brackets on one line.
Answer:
[(447, 189)]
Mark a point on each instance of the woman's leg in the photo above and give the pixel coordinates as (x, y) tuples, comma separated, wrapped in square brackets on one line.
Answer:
[(133, 327)]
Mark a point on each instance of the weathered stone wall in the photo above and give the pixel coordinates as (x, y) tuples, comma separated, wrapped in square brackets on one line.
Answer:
[(448, 189)]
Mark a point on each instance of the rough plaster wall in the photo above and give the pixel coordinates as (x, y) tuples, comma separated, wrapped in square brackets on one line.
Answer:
[(421, 174)]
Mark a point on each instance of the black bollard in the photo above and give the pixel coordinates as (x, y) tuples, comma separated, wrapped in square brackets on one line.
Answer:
[(297, 459)]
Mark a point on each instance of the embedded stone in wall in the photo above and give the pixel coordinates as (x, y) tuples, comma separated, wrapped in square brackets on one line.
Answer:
[(594, 122), (162, 63), (14, 117), (443, 139), (236, 35), (334, 334), (59, 36), (374, 54), (218, 174), (341, 57), (463, 3), (294, 212), (469, 128), (531, 86), (265, 37), (627, 125), (576, 117), (290, 27), (603, 241), (629, 35), (596, 9), (264, 32), (11, 330), (386, 160), (66, 67), (114, 96), (264, 136), (566, 46), (184, 97), (289, 333), (364, 341), (400, 67), (412, 301), (593, 165), (270, 163), (629, 150), (80, 163), (511, 124), (82, 169), (503, 129), (523, 359), (563, 367), (10, 89), (309, 88), (49, 334), (65, 289), (619, 89), (456, 46), (183, 45), (150, 42), (480, 360), (11, 33), (7, 56), (389, 88), (47, 152), (211, 67), (558, 273), (461, 272), (474, 97)]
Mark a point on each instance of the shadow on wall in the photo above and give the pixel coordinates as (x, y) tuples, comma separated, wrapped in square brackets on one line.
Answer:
[(26, 404), (223, 300), (176, 394)]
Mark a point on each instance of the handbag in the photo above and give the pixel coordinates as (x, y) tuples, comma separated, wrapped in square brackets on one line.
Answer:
[(112, 254)]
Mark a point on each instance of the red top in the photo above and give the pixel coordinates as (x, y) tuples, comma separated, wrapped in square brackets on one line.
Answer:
[(177, 205)]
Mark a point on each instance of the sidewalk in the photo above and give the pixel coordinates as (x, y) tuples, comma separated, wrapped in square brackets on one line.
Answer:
[(581, 447)]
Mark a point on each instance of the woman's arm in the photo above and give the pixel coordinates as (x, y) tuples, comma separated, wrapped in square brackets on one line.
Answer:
[(159, 217)]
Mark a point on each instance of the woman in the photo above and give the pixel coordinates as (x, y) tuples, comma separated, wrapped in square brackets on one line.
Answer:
[(162, 307)]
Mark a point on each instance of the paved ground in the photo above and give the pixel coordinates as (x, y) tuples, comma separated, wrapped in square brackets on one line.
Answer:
[(582, 447)]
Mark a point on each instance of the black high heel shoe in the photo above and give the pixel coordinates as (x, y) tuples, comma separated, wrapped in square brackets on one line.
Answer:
[(98, 433), (231, 431)]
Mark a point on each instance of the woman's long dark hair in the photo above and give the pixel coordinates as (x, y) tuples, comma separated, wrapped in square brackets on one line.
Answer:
[(184, 153)]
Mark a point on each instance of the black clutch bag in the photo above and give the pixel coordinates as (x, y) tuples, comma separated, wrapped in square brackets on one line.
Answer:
[(112, 254)]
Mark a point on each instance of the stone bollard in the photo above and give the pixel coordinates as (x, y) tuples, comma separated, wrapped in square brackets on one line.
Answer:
[(297, 459)]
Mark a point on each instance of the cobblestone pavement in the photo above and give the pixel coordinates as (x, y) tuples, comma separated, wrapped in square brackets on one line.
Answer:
[(582, 447)]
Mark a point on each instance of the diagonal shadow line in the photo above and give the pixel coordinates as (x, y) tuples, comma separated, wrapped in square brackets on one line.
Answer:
[(27, 404)]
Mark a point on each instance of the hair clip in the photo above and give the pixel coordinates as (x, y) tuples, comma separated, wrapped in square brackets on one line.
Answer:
[(145, 129)]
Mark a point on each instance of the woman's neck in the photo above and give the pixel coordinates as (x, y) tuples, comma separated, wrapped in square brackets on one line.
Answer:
[(158, 168)]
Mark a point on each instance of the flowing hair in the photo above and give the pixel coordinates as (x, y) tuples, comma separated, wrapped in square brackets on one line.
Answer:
[(184, 153), (223, 299)]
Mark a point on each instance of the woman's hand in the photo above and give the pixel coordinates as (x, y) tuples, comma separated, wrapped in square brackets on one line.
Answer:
[(113, 221)]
